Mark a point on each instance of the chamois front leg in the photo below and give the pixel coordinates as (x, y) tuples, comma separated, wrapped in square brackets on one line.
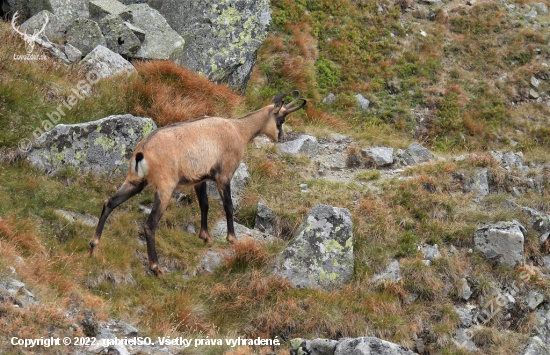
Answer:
[(126, 191), (203, 203), (159, 206), (225, 192)]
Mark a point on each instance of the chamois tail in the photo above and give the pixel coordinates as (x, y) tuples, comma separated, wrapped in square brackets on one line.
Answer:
[(140, 165)]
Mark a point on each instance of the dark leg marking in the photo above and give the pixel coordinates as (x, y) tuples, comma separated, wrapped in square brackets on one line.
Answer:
[(225, 193), (125, 192), (202, 196), (150, 228)]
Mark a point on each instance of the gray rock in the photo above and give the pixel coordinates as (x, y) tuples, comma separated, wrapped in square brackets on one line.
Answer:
[(538, 221), (238, 185), (531, 15), (101, 147), (119, 37), (73, 54), (140, 34), (222, 37), (362, 102), (465, 315), (212, 259), (101, 8), (382, 156), (502, 241), (508, 159), (464, 290), (72, 217), (463, 340), (537, 347), (15, 291), (534, 299), (329, 99), (106, 63), (305, 145), (36, 23), (321, 252), (220, 232), (317, 346), (431, 252), (369, 346), (161, 41), (542, 8), (535, 82), (85, 35), (418, 153), (479, 184), (265, 219), (390, 273), (65, 13), (404, 158)]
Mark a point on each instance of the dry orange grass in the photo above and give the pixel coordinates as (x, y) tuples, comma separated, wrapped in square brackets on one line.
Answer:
[(169, 93)]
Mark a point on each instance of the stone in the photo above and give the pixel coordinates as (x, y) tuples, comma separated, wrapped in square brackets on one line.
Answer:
[(101, 8), (362, 102), (265, 219), (534, 94), (537, 347), (238, 185), (15, 291), (220, 232), (140, 34), (320, 255), (212, 259), (538, 221), (478, 184), (317, 346), (161, 41), (106, 63), (535, 82), (73, 217), (65, 13), (382, 156), (390, 273), (431, 252), (463, 340), (404, 158), (534, 299), (222, 37), (464, 290), (329, 99), (502, 242), (541, 8), (304, 145), (36, 23), (418, 153), (72, 53), (85, 35), (101, 147), (368, 346), (119, 37), (465, 315)]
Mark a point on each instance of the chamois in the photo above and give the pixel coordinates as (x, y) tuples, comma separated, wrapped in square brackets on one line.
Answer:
[(189, 154)]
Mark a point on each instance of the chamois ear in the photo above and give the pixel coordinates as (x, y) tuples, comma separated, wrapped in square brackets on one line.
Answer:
[(278, 101)]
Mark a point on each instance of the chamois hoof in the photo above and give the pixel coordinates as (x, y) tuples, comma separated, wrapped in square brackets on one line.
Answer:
[(93, 244), (231, 238), (157, 270), (205, 236)]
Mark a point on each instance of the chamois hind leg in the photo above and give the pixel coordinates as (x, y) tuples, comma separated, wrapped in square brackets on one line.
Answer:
[(203, 203), (126, 191), (225, 192), (159, 206)]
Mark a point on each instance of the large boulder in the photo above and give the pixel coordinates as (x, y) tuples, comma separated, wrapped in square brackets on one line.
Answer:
[(119, 37), (85, 35), (101, 8), (303, 145), (321, 253), (65, 12), (502, 241), (346, 346), (369, 346), (222, 37), (419, 153), (106, 63), (381, 156), (161, 41), (101, 147)]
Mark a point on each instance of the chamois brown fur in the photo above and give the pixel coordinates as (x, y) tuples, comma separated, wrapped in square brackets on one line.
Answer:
[(189, 154)]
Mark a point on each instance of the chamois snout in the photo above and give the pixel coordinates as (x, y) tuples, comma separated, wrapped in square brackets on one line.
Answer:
[(274, 128)]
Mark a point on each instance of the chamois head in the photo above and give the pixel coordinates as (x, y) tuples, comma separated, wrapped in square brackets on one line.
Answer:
[(274, 127)]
